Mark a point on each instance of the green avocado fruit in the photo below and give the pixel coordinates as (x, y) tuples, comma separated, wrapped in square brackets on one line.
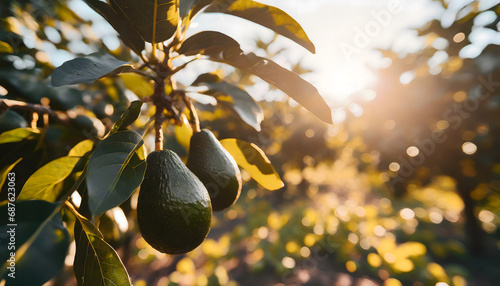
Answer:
[(216, 168), (173, 210)]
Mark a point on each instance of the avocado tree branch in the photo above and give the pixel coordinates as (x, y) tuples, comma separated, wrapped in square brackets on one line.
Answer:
[(143, 73), (181, 67), (174, 113), (59, 117)]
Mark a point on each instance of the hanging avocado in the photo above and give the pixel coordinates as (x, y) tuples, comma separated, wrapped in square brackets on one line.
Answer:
[(215, 167), (173, 210)]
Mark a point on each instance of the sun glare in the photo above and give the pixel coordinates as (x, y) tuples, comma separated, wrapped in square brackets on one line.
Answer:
[(339, 82), (347, 37)]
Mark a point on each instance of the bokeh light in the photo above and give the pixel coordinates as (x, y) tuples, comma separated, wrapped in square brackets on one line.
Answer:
[(469, 148)]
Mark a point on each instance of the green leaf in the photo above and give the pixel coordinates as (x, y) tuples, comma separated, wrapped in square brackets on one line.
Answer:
[(141, 14), (41, 242), (128, 117), (208, 43), (18, 135), (289, 82), (6, 170), (129, 35), (138, 84), (88, 69), (251, 158), (11, 120), (40, 185), (267, 16), (116, 168), (236, 98), (82, 148), (186, 6), (200, 4), (222, 48), (96, 262), (5, 48), (192, 7)]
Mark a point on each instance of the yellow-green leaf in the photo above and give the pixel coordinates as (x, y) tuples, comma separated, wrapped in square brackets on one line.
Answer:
[(138, 84), (251, 158), (39, 186), (6, 170), (81, 148), (5, 48), (18, 134)]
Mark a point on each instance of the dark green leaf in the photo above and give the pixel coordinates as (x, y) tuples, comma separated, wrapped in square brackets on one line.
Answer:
[(96, 262), (40, 185), (128, 117), (11, 120), (116, 168), (41, 242), (251, 158), (185, 7), (128, 33), (18, 135), (267, 16), (206, 77), (209, 43), (200, 4), (236, 98), (141, 15), (289, 82), (88, 69)]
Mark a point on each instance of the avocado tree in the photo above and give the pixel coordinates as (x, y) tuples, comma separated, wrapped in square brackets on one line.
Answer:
[(42, 182), (436, 113)]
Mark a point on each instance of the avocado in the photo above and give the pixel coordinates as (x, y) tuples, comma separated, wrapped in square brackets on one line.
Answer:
[(216, 168), (173, 209)]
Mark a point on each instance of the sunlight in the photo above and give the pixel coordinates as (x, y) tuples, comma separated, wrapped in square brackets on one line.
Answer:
[(339, 82), (346, 34)]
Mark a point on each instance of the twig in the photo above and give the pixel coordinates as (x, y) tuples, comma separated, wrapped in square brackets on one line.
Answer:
[(185, 64), (20, 105), (143, 73), (193, 116), (70, 206)]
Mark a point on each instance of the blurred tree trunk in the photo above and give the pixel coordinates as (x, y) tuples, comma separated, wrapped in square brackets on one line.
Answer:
[(474, 233)]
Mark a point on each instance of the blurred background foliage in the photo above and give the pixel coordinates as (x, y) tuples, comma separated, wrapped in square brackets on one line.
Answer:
[(405, 192)]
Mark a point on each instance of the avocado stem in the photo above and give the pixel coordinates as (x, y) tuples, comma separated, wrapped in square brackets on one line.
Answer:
[(193, 116), (159, 128), (159, 118)]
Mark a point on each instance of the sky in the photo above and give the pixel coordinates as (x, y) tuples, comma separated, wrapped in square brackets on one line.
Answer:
[(346, 34)]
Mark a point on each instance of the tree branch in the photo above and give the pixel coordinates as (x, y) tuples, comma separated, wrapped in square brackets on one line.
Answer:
[(23, 106)]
